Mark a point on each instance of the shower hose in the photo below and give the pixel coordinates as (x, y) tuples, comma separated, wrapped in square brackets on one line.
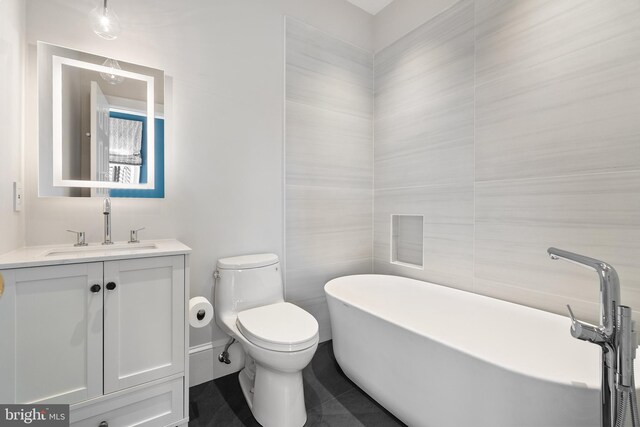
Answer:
[(623, 397)]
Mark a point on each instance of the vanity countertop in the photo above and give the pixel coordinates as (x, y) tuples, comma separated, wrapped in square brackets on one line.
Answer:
[(35, 256)]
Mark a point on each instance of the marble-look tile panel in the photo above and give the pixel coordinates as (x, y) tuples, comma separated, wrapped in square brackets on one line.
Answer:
[(328, 165), (597, 215), (308, 283), (430, 123), (439, 34), (326, 225), (326, 72), (422, 161), (311, 48), (429, 145), (558, 92), (307, 87), (447, 233), (413, 85), (584, 310), (424, 92), (328, 148), (512, 36), (431, 64)]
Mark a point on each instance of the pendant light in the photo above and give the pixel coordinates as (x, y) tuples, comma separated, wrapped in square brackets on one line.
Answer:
[(104, 21)]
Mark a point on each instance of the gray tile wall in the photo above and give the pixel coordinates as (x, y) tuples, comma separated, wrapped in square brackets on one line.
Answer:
[(329, 165), (514, 126), (511, 126), (424, 110)]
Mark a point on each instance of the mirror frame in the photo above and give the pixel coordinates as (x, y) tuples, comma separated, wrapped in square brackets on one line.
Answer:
[(57, 63), (53, 58)]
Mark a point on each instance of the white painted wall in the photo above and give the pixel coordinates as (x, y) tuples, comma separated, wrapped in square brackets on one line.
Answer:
[(12, 60), (403, 16), (224, 62)]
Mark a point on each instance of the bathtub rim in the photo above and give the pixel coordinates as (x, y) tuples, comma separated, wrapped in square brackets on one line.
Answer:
[(593, 384)]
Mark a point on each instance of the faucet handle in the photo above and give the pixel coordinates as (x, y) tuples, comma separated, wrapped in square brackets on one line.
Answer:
[(576, 327), (573, 318), (80, 238), (584, 331), (133, 235)]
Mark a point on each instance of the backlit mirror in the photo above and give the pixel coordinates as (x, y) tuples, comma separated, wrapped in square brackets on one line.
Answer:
[(101, 126)]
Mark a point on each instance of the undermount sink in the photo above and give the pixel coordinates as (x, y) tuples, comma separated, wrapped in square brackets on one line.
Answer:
[(92, 248)]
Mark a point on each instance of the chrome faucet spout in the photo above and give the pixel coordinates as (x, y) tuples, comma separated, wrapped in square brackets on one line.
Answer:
[(614, 335), (106, 210), (609, 285), (106, 206)]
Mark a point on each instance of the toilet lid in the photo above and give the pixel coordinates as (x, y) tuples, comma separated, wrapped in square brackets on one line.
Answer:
[(280, 327)]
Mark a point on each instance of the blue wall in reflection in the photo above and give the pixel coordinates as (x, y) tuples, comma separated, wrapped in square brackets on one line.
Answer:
[(158, 191)]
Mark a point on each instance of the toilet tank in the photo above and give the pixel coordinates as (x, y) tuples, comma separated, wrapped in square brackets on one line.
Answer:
[(246, 282)]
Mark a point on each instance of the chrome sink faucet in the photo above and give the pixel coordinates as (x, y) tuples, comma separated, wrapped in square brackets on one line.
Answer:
[(106, 210), (80, 238), (614, 335)]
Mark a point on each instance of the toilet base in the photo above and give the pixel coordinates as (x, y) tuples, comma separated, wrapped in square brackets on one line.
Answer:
[(247, 387), (276, 399)]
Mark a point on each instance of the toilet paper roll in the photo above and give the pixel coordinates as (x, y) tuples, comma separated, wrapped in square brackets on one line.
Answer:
[(200, 312)]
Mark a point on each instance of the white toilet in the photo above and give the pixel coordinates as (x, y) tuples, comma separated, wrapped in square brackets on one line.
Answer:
[(278, 338)]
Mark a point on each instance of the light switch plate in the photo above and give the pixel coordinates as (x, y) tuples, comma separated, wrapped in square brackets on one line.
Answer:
[(18, 196)]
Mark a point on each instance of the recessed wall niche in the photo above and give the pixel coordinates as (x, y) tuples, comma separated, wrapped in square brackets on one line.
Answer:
[(407, 243)]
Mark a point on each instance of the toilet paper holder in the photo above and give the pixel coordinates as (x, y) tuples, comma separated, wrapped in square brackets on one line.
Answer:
[(200, 312)]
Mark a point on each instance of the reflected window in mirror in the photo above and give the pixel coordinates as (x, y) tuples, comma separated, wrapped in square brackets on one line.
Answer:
[(158, 191)]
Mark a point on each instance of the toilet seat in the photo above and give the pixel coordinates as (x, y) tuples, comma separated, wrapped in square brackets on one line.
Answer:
[(279, 327)]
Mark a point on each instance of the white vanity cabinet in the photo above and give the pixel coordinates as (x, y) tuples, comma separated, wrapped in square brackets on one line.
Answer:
[(107, 335)]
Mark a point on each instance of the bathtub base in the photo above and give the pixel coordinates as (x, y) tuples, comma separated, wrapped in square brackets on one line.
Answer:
[(411, 346)]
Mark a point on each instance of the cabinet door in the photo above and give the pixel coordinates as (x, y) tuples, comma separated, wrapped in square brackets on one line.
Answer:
[(143, 320), (51, 334)]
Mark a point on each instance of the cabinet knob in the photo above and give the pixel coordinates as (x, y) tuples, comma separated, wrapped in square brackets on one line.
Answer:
[(111, 286), (95, 288), (103, 424)]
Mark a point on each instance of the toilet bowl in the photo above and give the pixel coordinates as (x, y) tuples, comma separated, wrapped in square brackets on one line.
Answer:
[(279, 338)]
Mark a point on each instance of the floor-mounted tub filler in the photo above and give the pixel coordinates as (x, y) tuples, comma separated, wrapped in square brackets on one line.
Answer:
[(616, 337), (437, 356)]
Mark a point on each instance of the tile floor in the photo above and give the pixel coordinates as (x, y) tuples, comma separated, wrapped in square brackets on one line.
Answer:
[(332, 400)]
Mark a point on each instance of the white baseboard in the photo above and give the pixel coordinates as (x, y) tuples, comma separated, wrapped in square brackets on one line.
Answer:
[(204, 365)]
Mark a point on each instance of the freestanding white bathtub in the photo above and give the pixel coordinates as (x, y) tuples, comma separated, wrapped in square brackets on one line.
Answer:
[(439, 357)]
